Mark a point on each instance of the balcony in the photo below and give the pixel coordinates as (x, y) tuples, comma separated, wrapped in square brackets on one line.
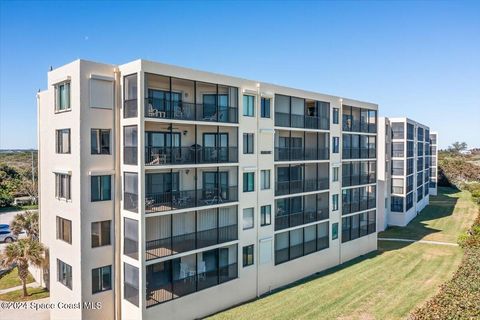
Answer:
[(179, 110), (301, 113), (359, 153), (298, 186), (172, 234), (359, 120), (298, 154), (301, 121), (157, 156), (176, 278), (298, 218)]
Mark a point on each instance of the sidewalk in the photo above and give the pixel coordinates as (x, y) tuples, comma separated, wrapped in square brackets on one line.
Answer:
[(29, 285)]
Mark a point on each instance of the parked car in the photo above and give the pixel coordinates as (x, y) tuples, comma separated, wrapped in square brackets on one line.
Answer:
[(7, 236), (4, 226)]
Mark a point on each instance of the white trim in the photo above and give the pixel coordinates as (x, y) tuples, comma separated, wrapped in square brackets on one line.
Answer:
[(266, 130), (60, 80), (100, 77), (249, 92), (63, 171), (249, 169), (101, 172)]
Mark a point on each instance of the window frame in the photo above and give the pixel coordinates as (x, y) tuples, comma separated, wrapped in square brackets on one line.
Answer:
[(100, 278), (248, 143), (248, 105), (100, 234), (335, 144), (335, 202), (336, 115), (61, 229), (265, 179), (60, 180), (265, 111), (248, 180), (266, 215), (248, 211), (64, 274), (100, 182), (99, 149), (248, 255), (68, 87), (59, 141)]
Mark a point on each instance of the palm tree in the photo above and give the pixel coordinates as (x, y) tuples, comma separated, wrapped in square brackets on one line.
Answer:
[(27, 221), (22, 253)]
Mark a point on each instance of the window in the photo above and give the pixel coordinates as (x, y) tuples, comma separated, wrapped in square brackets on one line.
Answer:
[(265, 108), (358, 225), (64, 230), (248, 181), (396, 204), (398, 130), (62, 139), (62, 96), (335, 174), (265, 179), (335, 144), (130, 105), (62, 186), (397, 167), (334, 202), (130, 191), (130, 283), (100, 141), (101, 279), (248, 106), (398, 149), (130, 240), (266, 215), (248, 255), (101, 188), (248, 143), (248, 219), (64, 273), (335, 231), (101, 93), (130, 143), (335, 115), (101, 233)]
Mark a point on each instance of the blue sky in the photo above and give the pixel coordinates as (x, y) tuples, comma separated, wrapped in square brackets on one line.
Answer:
[(415, 59)]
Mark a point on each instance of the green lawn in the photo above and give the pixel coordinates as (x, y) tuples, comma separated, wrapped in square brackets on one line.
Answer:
[(387, 284), (11, 279), (33, 294), (448, 214)]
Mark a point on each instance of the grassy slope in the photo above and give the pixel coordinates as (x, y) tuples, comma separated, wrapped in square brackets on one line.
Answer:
[(449, 214), (33, 294), (11, 280), (386, 284)]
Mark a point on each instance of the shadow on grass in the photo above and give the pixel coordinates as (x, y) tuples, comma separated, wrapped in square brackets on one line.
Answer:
[(440, 206)]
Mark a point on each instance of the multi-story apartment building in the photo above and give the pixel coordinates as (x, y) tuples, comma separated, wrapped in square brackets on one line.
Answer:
[(433, 163), (171, 191), (409, 163)]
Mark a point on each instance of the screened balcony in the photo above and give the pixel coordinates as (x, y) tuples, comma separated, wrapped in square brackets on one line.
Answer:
[(167, 144), (301, 113), (359, 120), (179, 277), (187, 188), (181, 232), (297, 146), (182, 99), (295, 211), (292, 179)]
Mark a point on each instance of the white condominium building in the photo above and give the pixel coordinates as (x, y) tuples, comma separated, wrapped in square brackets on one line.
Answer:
[(405, 177), (176, 192), (433, 163)]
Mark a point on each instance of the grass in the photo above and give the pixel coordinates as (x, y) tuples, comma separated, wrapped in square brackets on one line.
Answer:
[(387, 284), (448, 214), (33, 294), (11, 279)]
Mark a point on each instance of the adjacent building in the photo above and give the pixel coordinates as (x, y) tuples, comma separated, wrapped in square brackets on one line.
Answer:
[(433, 164), (406, 179), (166, 190)]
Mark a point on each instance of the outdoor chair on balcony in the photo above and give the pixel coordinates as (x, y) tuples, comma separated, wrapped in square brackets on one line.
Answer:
[(202, 269)]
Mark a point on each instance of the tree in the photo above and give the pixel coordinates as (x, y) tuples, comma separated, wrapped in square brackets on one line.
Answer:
[(457, 147), (22, 253), (27, 221)]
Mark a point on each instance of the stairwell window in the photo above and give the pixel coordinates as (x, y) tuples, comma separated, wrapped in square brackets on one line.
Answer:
[(248, 255), (101, 233), (62, 141), (336, 144), (248, 144), (62, 97), (64, 230), (335, 115), (335, 202), (101, 279), (248, 106), (265, 108), (265, 179), (62, 186), (100, 141), (248, 181), (101, 188), (64, 274), (266, 215), (248, 218)]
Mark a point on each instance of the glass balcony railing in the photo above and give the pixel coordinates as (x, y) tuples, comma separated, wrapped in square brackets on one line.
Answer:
[(157, 156), (179, 110), (173, 200)]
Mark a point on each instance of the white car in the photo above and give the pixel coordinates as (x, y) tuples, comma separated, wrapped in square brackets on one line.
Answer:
[(7, 236)]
